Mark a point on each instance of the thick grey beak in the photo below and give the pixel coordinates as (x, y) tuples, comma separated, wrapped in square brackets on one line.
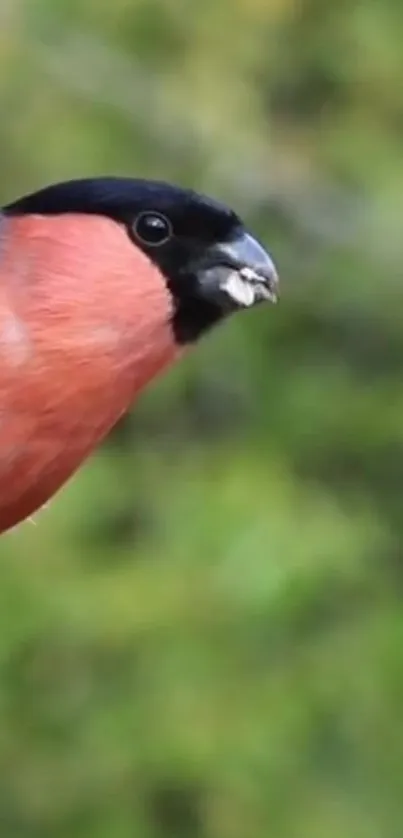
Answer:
[(245, 272)]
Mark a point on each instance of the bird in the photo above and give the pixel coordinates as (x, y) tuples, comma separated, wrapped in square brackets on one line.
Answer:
[(104, 283)]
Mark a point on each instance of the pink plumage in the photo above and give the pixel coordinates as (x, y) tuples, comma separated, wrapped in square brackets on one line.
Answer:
[(84, 325)]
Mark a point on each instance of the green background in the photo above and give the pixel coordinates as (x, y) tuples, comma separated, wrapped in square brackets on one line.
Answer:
[(202, 636)]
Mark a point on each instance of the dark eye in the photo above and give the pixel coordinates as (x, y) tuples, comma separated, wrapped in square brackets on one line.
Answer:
[(152, 228)]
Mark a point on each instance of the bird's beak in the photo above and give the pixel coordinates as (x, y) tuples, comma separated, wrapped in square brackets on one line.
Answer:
[(241, 273)]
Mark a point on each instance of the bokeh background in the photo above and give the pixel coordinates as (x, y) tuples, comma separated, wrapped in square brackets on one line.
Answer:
[(202, 636)]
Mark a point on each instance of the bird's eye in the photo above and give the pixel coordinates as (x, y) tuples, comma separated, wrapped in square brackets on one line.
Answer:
[(152, 228)]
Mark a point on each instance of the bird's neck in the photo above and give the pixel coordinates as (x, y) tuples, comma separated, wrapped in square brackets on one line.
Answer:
[(90, 306)]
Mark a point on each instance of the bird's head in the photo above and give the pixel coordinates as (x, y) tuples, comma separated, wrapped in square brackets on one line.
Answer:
[(206, 259)]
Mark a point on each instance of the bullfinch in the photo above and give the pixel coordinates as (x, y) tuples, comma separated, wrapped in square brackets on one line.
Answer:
[(104, 283)]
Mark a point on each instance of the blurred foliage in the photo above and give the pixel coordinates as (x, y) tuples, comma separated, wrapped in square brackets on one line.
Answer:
[(203, 634)]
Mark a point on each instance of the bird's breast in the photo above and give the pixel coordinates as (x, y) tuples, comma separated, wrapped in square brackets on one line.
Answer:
[(84, 326)]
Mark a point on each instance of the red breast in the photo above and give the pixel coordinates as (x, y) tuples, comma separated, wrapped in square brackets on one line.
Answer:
[(84, 325)]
